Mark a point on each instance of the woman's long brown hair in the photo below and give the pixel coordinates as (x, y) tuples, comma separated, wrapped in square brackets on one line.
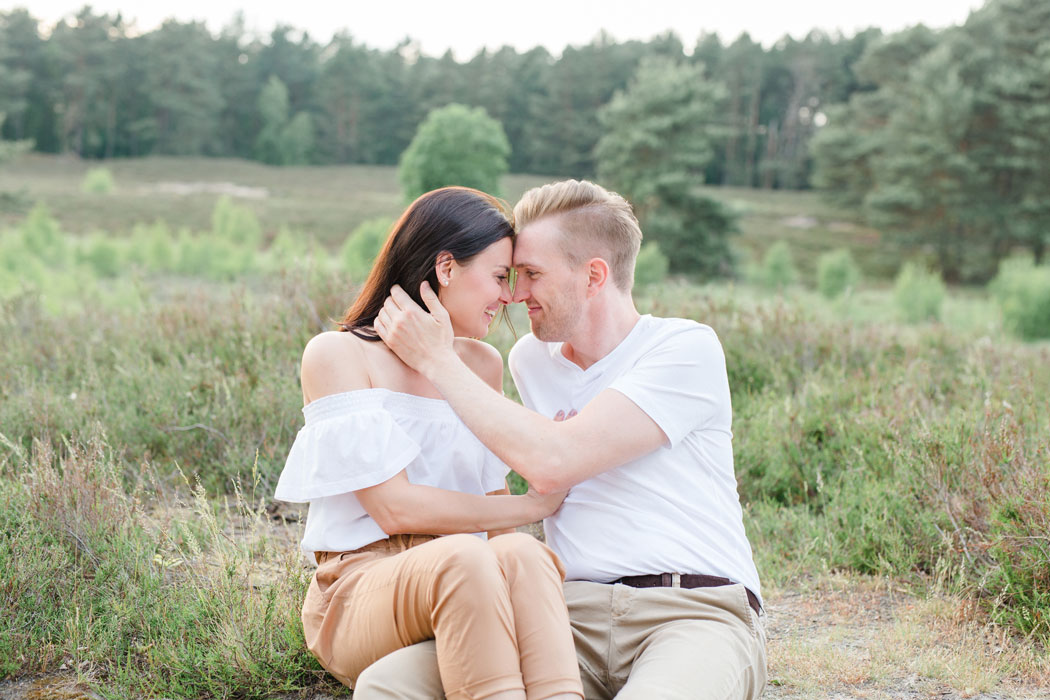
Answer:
[(458, 220)]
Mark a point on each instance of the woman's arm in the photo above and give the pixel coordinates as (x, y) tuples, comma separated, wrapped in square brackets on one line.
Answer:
[(333, 362), (505, 491), (399, 506)]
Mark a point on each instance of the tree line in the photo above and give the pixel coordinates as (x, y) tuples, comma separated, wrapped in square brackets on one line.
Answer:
[(949, 147), (92, 87)]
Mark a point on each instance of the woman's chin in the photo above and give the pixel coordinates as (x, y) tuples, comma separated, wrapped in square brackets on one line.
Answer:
[(465, 331)]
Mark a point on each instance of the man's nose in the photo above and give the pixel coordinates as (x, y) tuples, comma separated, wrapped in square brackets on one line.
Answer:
[(521, 290)]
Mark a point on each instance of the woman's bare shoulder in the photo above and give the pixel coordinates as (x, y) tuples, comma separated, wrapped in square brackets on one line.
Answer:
[(483, 359), (334, 362)]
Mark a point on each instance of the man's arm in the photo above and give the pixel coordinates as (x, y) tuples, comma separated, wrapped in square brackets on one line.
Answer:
[(611, 430)]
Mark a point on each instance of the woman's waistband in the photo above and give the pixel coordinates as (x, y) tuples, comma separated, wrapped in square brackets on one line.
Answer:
[(393, 544)]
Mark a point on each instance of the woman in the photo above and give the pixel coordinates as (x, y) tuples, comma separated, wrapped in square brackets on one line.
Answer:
[(388, 468)]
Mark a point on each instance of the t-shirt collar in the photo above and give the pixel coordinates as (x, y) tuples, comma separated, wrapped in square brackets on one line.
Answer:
[(555, 349)]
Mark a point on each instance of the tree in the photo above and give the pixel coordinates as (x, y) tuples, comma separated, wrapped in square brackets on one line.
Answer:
[(455, 145), (183, 92), (657, 141), (282, 141)]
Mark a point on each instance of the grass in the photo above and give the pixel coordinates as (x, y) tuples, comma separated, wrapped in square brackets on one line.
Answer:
[(146, 409)]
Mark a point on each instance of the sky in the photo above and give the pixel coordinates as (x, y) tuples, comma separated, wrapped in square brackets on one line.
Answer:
[(466, 26)]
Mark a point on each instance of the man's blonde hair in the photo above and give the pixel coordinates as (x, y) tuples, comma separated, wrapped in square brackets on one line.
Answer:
[(595, 223)]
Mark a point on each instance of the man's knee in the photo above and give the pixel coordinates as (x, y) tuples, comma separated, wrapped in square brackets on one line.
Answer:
[(410, 673)]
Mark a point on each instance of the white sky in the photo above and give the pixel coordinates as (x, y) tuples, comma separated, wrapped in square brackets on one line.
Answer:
[(466, 26)]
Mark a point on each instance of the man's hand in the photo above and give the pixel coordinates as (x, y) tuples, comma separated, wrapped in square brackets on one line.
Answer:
[(422, 340)]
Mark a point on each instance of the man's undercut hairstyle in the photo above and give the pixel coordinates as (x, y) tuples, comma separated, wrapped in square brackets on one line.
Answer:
[(594, 223)]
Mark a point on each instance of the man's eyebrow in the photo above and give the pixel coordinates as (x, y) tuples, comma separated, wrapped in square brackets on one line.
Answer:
[(525, 264)]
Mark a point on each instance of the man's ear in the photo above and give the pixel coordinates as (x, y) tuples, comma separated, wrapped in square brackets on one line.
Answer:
[(597, 275), (443, 267)]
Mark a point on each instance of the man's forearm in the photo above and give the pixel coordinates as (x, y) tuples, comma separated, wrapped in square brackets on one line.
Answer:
[(529, 443)]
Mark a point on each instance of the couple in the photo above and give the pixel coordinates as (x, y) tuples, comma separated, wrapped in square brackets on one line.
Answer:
[(407, 444)]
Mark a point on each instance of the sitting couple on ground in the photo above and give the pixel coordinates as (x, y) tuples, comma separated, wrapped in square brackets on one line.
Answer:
[(646, 587)]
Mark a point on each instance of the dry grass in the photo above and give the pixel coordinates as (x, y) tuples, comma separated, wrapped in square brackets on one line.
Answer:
[(849, 636)]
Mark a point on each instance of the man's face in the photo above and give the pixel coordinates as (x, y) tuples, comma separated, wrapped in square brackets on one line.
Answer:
[(552, 291)]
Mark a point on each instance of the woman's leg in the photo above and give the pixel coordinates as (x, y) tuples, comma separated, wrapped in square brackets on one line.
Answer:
[(534, 578), (450, 589)]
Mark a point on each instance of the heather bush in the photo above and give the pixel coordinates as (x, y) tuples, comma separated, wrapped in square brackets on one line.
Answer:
[(363, 245), (837, 273), (651, 266), (918, 293), (1023, 292), (98, 181), (778, 266)]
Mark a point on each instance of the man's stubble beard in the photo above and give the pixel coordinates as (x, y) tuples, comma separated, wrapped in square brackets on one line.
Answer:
[(557, 321)]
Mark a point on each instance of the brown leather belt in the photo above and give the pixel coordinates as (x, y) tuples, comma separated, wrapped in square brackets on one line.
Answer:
[(685, 581)]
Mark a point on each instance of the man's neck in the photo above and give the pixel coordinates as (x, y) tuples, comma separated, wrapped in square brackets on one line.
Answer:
[(602, 328)]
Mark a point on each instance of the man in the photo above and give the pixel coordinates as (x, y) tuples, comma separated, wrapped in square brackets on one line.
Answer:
[(632, 415)]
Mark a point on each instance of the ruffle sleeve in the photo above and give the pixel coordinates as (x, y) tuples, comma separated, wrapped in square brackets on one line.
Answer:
[(341, 451), (494, 472)]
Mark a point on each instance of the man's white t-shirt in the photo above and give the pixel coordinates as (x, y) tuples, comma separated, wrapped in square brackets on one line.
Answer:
[(675, 510)]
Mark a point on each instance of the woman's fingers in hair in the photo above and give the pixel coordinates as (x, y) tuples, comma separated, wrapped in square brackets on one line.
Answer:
[(431, 300), (399, 297)]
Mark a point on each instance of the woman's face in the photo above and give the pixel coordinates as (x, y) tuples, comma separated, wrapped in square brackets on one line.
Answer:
[(477, 290)]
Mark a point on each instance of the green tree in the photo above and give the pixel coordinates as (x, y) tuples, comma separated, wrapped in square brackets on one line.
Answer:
[(657, 141), (455, 145), (181, 68), (282, 141)]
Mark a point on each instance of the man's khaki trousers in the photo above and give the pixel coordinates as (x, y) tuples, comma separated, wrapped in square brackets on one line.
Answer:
[(631, 643)]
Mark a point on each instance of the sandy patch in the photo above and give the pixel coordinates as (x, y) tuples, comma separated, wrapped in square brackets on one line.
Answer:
[(229, 189)]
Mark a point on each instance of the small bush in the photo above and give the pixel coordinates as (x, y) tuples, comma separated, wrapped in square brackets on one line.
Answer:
[(287, 250), (652, 265), (1023, 292), (103, 254), (152, 247), (234, 223), (363, 245), (918, 293), (778, 266), (43, 238), (837, 273), (98, 181)]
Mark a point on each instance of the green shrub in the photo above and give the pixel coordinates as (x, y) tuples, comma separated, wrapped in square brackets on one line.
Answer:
[(43, 237), (287, 250), (837, 273), (98, 181), (363, 245), (235, 223), (651, 266), (918, 293), (152, 247), (778, 266), (1023, 292), (103, 254)]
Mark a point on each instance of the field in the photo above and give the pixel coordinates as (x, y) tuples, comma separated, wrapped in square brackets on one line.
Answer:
[(895, 476)]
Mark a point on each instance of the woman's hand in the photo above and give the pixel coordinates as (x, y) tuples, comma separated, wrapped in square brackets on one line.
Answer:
[(547, 504)]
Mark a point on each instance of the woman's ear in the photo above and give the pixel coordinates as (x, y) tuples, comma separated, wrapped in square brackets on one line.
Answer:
[(443, 267)]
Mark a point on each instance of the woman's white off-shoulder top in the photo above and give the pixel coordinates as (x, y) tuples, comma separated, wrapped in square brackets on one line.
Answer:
[(362, 438)]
